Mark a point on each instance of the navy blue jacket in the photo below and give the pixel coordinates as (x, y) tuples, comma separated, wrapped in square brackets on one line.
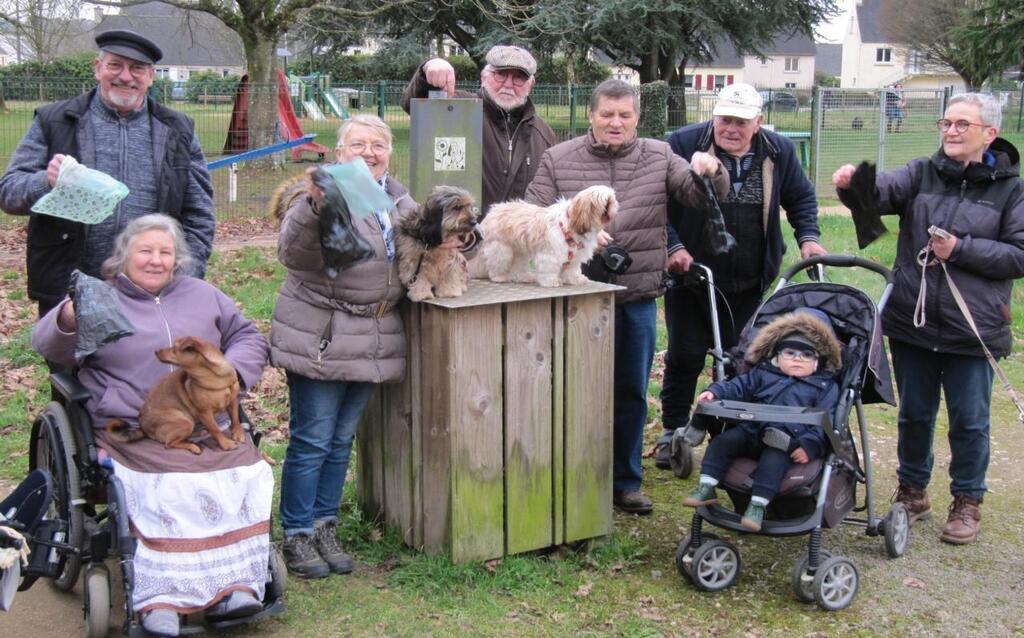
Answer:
[(767, 385), (783, 177)]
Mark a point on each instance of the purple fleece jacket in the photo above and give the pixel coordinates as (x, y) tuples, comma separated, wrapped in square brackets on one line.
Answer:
[(120, 374)]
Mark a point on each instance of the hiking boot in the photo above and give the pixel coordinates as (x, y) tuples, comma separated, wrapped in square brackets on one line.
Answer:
[(325, 538), (663, 450), (632, 502), (302, 559), (963, 522), (915, 500), (753, 517), (704, 494)]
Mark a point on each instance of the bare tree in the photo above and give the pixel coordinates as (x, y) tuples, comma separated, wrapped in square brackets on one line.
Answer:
[(928, 30), (42, 26)]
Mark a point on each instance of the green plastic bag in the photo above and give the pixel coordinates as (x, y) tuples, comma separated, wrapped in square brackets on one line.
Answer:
[(362, 193), (81, 194)]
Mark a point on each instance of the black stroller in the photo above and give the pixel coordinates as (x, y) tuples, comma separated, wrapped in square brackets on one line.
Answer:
[(85, 518), (821, 493)]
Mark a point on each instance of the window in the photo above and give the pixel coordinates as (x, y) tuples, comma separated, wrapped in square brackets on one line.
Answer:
[(163, 72), (792, 64), (688, 81), (790, 85), (883, 55), (719, 82)]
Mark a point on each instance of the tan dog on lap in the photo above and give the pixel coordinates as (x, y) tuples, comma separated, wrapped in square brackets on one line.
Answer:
[(205, 384)]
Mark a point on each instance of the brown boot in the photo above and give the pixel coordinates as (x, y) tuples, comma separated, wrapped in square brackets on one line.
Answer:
[(915, 500), (963, 522)]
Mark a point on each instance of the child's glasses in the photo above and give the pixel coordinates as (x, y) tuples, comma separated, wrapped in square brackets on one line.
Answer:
[(798, 355)]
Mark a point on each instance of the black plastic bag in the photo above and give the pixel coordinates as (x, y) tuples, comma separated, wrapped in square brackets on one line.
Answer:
[(718, 240), (863, 196), (98, 315), (340, 244), (611, 260)]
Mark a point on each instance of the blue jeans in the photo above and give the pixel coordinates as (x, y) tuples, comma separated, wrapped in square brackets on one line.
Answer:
[(635, 331), (323, 421), (967, 384)]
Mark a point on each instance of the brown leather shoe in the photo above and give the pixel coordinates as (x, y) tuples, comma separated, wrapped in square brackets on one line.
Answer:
[(963, 522), (915, 500), (632, 502)]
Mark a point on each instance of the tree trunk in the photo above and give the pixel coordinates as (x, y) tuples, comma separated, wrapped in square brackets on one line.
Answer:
[(677, 97), (261, 62), (649, 67)]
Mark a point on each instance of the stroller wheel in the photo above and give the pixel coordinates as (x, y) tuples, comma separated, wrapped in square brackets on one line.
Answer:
[(716, 565), (836, 583), (680, 457), (97, 601), (684, 554), (803, 580), (897, 530)]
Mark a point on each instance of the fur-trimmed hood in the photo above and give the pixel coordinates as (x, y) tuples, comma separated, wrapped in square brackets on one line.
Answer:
[(813, 328), (283, 196)]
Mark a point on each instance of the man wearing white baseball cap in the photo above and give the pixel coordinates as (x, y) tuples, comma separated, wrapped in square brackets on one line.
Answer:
[(515, 137), (766, 176)]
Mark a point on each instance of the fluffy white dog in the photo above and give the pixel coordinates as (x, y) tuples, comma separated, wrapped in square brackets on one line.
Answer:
[(527, 243)]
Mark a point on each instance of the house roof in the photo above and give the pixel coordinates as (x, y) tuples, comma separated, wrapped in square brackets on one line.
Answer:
[(199, 40), (869, 14), (829, 59), (784, 44)]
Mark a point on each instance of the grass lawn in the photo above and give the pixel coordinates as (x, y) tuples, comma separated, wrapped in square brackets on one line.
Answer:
[(626, 585)]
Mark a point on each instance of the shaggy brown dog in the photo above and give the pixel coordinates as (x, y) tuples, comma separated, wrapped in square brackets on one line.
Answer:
[(428, 243), (527, 243), (205, 383)]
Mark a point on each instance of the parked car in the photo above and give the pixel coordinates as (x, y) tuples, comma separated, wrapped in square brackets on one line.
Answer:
[(779, 101), (178, 91)]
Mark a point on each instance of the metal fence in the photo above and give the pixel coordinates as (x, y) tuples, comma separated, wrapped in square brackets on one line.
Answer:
[(831, 126)]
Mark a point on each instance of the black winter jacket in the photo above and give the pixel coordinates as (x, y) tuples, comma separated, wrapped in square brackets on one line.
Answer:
[(983, 206)]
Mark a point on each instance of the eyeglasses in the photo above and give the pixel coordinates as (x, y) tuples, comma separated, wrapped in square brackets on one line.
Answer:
[(798, 355), (378, 148), (961, 125), (518, 78), (137, 69)]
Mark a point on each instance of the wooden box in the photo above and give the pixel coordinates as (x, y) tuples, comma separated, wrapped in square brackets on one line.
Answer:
[(500, 438)]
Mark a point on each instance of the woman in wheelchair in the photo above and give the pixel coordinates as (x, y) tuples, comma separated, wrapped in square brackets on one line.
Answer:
[(201, 521)]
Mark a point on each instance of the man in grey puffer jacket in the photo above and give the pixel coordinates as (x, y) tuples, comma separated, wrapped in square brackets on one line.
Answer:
[(645, 174), (971, 190), (115, 129)]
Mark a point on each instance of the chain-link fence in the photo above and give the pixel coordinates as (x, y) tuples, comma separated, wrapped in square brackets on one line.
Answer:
[(831, 127)]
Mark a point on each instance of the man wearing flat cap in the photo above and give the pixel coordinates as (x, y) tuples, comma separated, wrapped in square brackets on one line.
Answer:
[(766, 178), (515, 137), (115, 129)]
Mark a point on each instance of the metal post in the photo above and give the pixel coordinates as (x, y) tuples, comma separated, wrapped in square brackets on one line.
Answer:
[(380, 99), (233, 183), (817, 121), (1020, 107), (572, 111), (882, 123)]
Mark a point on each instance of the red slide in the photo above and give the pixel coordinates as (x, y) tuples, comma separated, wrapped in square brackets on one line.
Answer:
[(289, 126)]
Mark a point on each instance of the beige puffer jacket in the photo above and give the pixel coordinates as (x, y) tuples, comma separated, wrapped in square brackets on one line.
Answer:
[(645, 173), (353, 316)]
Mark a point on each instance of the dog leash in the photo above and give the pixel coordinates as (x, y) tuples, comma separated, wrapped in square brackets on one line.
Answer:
[(919, 314)]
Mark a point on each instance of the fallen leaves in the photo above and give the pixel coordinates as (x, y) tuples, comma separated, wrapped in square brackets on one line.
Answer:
[(584, 590), (913, 583)]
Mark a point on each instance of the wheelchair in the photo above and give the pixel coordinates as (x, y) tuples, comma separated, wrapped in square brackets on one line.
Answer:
[(86, 521)]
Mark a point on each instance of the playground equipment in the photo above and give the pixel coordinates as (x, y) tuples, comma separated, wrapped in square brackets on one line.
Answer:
[(288, 126), (231, 162)]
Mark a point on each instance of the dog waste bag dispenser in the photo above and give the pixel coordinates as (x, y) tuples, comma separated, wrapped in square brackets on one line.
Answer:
[(445, 145)]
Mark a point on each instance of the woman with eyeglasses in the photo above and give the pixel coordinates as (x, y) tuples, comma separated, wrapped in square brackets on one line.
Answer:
[(961, 221), (336, 339)]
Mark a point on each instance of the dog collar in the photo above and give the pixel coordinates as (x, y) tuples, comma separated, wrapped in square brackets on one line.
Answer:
[(571, 240)]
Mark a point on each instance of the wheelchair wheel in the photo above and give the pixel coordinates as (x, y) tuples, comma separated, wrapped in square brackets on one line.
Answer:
[(277, 578), (97, 602), (53, 449), (681, 458)]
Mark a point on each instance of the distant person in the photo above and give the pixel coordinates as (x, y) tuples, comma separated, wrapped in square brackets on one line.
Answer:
[(766, 178), (970, 189), (115, 129), (894, 104), (515, 137)]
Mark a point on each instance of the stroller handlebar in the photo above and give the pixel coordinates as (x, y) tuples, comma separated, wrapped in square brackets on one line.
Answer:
[(838, 261)]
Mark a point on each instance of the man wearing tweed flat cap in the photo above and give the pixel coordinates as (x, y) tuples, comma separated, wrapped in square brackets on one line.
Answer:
[(515, 137), (115, 129)]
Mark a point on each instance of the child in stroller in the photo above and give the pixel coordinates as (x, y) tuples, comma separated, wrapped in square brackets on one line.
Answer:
[(796, 356)]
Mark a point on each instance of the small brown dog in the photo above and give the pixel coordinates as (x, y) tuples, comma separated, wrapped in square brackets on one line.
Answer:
[(425, 266), (205, 383)]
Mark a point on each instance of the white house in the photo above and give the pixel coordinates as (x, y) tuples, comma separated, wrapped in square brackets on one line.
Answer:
[(871, 61), (789, 63)]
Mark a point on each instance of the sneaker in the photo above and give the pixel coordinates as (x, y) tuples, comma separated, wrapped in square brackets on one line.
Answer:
[(963, 522), (915, 500), (703, 495), (162, 622), (753, 517), (663, 450), (302, 559), (325, 538), (632, 502)]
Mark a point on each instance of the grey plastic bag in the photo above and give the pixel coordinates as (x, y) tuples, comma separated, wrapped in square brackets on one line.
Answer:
[(98, 313)]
